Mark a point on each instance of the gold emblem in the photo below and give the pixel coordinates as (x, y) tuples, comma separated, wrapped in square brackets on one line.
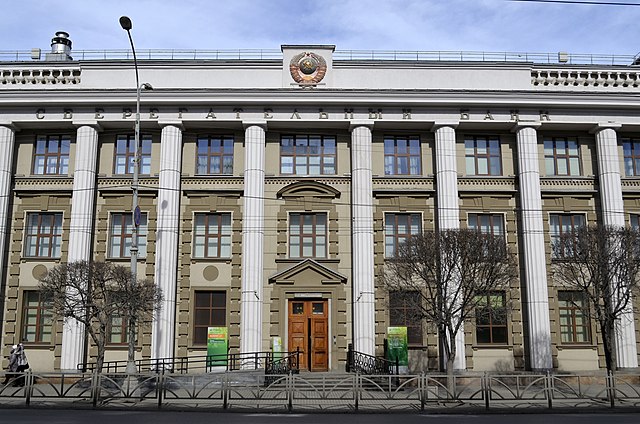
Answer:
[(307, 68)]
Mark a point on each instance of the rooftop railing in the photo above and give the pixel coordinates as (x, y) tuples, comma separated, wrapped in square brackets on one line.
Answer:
[(340, 55)]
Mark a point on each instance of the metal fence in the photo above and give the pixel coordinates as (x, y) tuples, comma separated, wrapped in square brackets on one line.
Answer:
[(344, 55), (244, 391)]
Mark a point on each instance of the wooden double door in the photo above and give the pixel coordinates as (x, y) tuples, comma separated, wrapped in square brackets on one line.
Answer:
[(309, 332)]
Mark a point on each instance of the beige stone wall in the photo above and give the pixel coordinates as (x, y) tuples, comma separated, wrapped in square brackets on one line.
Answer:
[(575, 203), (207, 274)]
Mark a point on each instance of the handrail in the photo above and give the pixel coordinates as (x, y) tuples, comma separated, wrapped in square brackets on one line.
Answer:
[(289, 364), (185, 364), (363, 363), (344, 55)]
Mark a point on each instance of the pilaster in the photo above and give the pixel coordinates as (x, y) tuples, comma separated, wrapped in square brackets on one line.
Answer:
[(362, 239), (81, 231), (613, 215), (252, 239), (533, 249), (167, 234), (448, 205)]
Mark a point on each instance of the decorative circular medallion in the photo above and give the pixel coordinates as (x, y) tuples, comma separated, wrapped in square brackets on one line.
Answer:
[(307, 68), (39, 272), (210, 273)]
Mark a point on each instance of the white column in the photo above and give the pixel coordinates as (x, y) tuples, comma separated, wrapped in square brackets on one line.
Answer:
[(167, 234), (81, 232), (448, 206), (613, 215), (362, 239), (7, 142), (533, 249), (252, 239)]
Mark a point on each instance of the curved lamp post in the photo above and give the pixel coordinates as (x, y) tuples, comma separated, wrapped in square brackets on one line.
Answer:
[(125, 23)]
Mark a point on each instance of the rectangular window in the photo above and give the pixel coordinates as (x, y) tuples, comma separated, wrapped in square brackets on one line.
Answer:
[(121, 232), (125, 155), (398, 228), (404, 311), (210, 311), (631, 150), (118, 330), (491, 319), (561, 156), (37, 319), (482, 155), (51, 155), (402, 156), (43, 235), (307, 155), (215, 155), (635, 221), (574, 325), (308, 235), (560, 224), (212, 235), (487, 223)]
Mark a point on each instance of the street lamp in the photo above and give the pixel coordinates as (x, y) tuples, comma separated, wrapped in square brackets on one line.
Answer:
[(125, 23)]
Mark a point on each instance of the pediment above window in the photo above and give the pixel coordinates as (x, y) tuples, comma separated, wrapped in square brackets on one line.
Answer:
[(308, 189), (308, 273)]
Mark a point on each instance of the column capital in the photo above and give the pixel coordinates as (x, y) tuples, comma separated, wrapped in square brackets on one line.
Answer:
[(10, 125), (255, 123), (442, 124), (171, 123), (88, 123), (604, 126), (521, 124), (353, 124)]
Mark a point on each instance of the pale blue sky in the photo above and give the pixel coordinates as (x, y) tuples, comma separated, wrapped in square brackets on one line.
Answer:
[(427, 25)]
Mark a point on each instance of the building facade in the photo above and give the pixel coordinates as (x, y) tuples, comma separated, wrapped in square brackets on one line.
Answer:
[(272, 189)]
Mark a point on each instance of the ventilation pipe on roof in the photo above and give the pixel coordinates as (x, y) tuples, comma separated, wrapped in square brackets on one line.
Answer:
[(60, 47)]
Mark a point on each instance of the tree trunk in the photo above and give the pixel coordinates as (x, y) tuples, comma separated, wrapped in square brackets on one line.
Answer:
[(451, 357), (607, 343)]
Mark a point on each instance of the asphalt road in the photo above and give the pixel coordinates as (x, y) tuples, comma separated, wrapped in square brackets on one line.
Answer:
[(57, 416)]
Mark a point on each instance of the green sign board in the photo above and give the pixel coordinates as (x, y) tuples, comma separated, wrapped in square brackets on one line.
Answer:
[(397, 345), (217, 345)]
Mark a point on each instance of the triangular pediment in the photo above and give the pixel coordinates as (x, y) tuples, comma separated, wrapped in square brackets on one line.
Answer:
[(308, 188), (308, 272)]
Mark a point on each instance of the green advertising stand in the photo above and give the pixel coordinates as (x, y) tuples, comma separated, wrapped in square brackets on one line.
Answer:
[(397, 347), (217, 345)]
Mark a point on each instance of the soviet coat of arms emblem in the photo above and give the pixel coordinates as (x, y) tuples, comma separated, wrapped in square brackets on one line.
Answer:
[(307, 68)]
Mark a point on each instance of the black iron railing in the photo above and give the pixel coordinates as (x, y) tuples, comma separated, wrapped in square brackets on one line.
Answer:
[(362, 363), (203, 363), (285, 365)]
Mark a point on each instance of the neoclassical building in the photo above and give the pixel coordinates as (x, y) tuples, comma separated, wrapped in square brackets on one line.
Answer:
[(274, 186)]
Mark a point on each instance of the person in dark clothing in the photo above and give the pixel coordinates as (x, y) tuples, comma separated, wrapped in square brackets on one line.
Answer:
[(12, 369)]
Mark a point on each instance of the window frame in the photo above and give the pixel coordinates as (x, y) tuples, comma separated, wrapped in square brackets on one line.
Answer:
[(53, 236), (124, 235), (632, 159), (555, 157), (220, 154), (196, 325), (397, 156), (223, 239), (471, 143), (123, 332), (491, 325), (129, 154), (322, 155), (389, 252), (400, 315), (573, 312), (312, 235), (61, 166), (41, 315), (555, 237)]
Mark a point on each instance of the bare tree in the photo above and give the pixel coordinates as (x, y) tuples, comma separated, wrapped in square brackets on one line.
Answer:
[(93, 293), (603, 263), (449, 274)]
